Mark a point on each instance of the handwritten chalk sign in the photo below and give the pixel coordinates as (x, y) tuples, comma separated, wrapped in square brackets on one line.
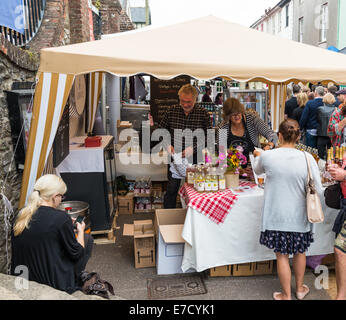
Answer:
[(164, 94)]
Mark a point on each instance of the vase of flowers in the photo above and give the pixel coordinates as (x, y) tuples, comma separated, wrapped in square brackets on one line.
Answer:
[(231, 163)]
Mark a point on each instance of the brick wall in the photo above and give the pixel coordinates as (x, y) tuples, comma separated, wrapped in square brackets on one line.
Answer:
[(79, 21)]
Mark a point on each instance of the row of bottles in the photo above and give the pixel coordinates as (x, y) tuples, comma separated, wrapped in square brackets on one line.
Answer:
[(205, 178), (336, 156), (312, 151), (142, 185)]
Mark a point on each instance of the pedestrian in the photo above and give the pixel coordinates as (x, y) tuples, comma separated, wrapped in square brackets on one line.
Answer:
[(285, 227), (302, 99), (186, 115), (292, 104), (323, 115), (44, 240), (308, 120), (339, 174), (333, 89), (341, 96), (206, 97), (219, 99), (337, 125)]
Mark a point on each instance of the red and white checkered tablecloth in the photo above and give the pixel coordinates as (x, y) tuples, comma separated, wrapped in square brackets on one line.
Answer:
[(215, 206), (247, 184)]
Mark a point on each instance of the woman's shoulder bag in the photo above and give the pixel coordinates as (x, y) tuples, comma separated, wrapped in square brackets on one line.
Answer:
[(313, 203)]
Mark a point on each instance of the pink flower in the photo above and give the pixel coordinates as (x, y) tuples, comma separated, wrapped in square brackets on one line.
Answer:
[(240, 149)]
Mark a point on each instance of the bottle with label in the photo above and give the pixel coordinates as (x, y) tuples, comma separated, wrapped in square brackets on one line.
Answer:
[(222, 180), (208, 181), (190, 174), (214, 181), (200, 181)]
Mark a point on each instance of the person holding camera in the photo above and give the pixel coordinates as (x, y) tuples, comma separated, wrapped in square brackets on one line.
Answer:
[(44, 240)]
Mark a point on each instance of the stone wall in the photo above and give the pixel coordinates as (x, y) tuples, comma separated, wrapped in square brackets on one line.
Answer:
[(64, 22)]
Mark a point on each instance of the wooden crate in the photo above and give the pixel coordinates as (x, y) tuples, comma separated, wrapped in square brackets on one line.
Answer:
[(328, 260), (263, 267), (106, 236), (223, 271), (126, 203), (243, 269)]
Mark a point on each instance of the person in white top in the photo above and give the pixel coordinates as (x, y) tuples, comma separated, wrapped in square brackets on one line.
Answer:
[(285, 227)]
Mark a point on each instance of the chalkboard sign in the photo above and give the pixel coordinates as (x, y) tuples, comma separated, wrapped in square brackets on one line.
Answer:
[(164, 94), (61, 144)]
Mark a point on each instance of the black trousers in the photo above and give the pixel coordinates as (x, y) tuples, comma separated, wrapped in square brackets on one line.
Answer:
[(322, 144), (82, 262), (170, 198)]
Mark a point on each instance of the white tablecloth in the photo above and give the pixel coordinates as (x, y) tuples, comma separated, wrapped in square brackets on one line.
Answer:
[(236, 241)]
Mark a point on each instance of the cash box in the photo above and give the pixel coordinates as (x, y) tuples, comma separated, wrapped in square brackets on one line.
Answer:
[(94, 141)]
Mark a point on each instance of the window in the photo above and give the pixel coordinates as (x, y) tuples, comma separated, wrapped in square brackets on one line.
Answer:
[(300, 29), (273, 25), (279, 21), (287, 15), (324, 22)]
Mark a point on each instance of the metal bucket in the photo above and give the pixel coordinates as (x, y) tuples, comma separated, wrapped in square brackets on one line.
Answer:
[(79, 208)]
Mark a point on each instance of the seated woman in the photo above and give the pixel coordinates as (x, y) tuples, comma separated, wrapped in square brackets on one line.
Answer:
[(241, 128), (43, 238), (285, 227)]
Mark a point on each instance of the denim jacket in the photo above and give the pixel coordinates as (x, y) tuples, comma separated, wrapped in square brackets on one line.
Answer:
[(323, 115)]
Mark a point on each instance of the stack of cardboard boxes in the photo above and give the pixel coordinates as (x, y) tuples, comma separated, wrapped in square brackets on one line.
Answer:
[(168, 256)]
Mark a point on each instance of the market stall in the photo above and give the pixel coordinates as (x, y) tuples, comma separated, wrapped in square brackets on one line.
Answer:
[(277, 62), (235, 240)]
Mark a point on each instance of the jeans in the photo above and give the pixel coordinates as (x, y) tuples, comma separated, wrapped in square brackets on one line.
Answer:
[(170, 198), (310, 140)]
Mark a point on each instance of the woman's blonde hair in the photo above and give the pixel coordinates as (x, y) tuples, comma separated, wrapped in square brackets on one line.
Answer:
[(328, 99), (302, 99), (45, 188)]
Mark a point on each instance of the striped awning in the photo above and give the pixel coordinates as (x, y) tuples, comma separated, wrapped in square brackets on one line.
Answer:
[(51, 94)]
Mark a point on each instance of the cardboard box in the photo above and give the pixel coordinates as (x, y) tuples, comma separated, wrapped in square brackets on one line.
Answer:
[(263, 267), (144, 242), (125, 203), (170, 245), (243, 269), (223, 271)]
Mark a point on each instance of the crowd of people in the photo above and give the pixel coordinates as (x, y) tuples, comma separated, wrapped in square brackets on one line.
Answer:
[(43, 237)]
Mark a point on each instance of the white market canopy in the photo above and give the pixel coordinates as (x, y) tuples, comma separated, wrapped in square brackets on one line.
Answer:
[(203, 48)]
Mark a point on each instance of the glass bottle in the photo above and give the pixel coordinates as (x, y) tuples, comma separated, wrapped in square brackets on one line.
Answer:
[(222, 180), (200, 181), (190, 174), (214, 181), (208, 181)]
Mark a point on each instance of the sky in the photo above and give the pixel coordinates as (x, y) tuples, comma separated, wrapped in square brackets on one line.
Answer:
[(244, 12)]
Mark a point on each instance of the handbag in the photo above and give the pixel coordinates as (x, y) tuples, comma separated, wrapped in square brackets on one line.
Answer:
[(333, 195), (313, 202), (93, 284)]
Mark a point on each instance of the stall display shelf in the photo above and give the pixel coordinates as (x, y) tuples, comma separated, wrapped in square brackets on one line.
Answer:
[(142, 195), (144, 210)]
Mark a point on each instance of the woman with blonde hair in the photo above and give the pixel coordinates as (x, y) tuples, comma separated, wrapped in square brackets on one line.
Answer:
[(302, 99), (44, 240)]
